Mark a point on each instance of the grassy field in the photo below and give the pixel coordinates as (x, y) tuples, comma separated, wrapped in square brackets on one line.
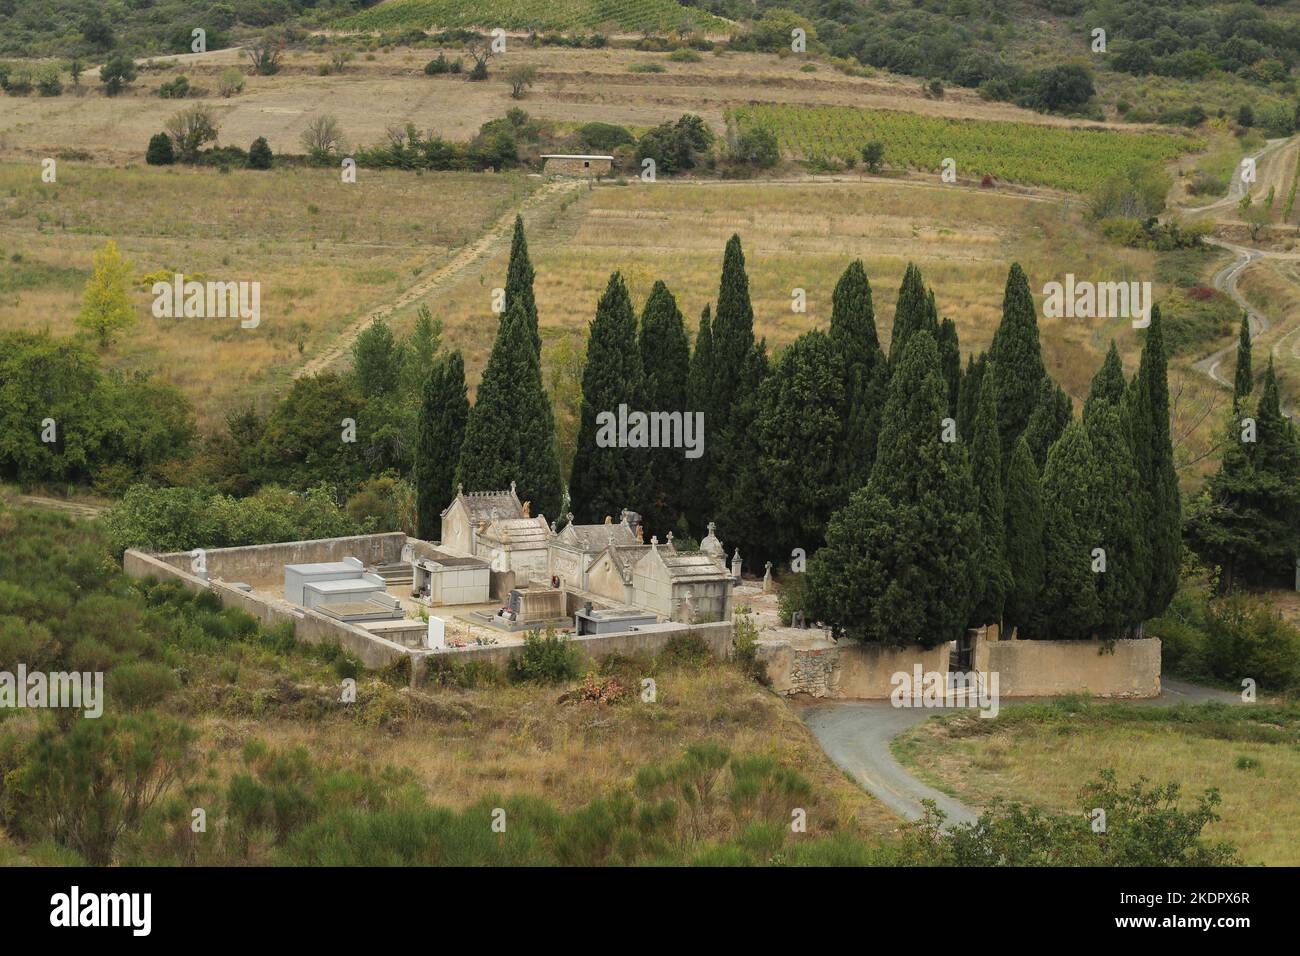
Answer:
[(1019, 152), (803, 235), (659, 16), (1043, 754), (383, 86), (323, 251)]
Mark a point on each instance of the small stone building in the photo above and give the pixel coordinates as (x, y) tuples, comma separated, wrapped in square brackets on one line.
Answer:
[(561, 164), (496, 527)]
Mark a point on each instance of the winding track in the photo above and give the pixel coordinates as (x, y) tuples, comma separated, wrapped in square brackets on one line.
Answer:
[(856, 735)]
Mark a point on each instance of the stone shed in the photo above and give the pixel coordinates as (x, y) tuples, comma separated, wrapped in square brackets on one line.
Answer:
[(563, 164)]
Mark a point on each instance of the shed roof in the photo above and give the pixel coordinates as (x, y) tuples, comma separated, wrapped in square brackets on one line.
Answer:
[(575, 156)]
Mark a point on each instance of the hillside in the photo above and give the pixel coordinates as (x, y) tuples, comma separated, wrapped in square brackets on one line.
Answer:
[(651, 16)]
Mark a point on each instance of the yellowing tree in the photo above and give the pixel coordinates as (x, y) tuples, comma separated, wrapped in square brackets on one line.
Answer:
[(106, 304)]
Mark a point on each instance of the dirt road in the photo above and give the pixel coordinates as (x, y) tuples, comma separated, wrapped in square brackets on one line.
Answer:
[(475, 254), (856, 735)]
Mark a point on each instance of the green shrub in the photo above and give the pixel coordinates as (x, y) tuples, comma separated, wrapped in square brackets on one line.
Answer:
[(259, 154), (791, 596), (176, 89), (605, 136), (747, 650), (684, 55), (647, 68), (1247, 639), (548, 659)]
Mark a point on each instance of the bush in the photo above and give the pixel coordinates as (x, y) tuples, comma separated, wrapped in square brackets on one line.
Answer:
[(605, 136), (791, 597), (176, 89), (259, 154), (1245, 638), (230, 82), (441, 64), (684, 55), (159, 152), (48, 82), (647, 68), (549, 659), (757, 147)]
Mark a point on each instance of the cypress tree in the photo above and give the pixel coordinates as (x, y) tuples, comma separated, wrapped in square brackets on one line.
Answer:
[(666, 361), (1108, 384), (444, 410), (1019, 359), (1247, 519), (1024, 538), (1069, 605), (986, 467), (608, 479), (915, 311), (519, 282), (1115, 522), (898, 564), (1153, 453), (968, 395), (799, 430), (510, 433), (950, 362), (853, 336), (1242, 382), (1052, 413), (699, 398), (736, 484), (733, 331)]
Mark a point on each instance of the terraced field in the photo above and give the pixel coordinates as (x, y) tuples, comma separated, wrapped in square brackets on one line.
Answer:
[(621, 15), (1061, 157)]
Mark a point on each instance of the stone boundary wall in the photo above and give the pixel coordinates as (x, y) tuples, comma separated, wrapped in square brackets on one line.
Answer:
[(1052, 668), (717, 636), (375, 651), (264, 563), (309, 627), (851, 671), (845, 671)]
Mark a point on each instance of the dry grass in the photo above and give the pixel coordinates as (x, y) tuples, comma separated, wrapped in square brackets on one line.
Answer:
[(1047, 764), (520, 740), (386, 87), (802, 235), (323, 251), (1273, 286)]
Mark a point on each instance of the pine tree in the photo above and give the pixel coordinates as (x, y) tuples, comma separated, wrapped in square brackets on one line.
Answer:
[(733, 331), (1052, 413), (519, 282), (376, 360), (994, 575), (608, 479), (950, 362), (853, 336), (1243, 383), (915, 311), (1019, 359), (898, 565), (666, 360), (444, 411), (1024, 539), (699, 398), (510, 433), (1069, 607)]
